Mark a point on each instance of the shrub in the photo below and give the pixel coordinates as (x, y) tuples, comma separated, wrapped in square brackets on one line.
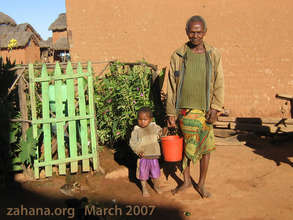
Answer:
[(119, 95)]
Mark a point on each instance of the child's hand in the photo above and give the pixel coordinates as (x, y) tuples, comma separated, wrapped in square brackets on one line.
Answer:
[(140, 155)]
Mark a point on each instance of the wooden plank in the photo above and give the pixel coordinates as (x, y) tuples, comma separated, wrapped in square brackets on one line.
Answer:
[(50, 78), (83, 123), (226, 119), (22, 102), (60, 125), (61, 119), (287, 121), (221, 124), (284, 97), (34, 115), (92, 120), (72, 124), (66, 160), (47, 126), (64, 64)]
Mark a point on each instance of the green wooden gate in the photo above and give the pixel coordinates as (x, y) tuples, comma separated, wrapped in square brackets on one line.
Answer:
[(69, 117)]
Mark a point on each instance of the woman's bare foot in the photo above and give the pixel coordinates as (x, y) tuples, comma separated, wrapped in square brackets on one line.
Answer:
[(203, 193), (180, 188)]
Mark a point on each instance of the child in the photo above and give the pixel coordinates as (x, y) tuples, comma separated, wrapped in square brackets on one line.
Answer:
[(144, 142)]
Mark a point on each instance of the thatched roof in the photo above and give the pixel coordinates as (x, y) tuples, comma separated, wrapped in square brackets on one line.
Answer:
[(21, 37), (59, 24), (23, 33), (61, 44), (5, 19), (8, 32), (46, 43), (25, 26)]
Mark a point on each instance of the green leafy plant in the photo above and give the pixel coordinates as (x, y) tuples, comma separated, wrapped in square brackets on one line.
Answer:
[(9, 132), (119, 95), (28, 147), (25, 151)]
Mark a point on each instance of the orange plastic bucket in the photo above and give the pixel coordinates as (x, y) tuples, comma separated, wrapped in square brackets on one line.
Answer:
[(172, 147)]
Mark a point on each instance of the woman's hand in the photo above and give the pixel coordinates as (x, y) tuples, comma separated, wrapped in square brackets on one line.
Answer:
[(171, 122), (212, 116)]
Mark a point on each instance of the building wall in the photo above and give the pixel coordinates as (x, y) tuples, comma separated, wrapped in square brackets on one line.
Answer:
[(17, 55), (254, 37), (32, 53), (29, 54), (58, 34)]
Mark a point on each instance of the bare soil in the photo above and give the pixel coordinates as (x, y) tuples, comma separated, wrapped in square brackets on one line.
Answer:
[(249, 180)]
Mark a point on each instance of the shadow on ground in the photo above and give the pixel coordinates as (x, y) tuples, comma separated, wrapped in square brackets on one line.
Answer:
[(19, 203), (273, 146)]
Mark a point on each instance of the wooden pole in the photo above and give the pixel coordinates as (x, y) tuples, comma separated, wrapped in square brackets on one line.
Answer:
[(287, 98), (22, 102)]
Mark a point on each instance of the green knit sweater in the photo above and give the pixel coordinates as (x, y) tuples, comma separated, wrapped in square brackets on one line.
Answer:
[(193, 93)]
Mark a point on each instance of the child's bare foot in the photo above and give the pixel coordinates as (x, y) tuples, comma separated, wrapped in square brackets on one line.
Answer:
[(157, 186), (180, 188), (203, 193), (145, 193)]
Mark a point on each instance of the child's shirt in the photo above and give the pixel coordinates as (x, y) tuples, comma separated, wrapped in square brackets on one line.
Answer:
[(145, 140)]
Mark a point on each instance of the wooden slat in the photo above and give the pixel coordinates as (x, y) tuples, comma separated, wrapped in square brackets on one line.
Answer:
[(83, 123), (49, 78), (287, 121), (72, 124), (46, 127), (60, 125), (61, 119), (22, 101), (92, 120), (34, 115), (285, 97), (66, 160)]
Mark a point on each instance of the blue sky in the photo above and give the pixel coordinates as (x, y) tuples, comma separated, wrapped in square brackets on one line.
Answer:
[(38, 13)]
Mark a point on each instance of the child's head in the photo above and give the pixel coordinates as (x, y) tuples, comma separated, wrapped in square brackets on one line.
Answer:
[(144, 117)]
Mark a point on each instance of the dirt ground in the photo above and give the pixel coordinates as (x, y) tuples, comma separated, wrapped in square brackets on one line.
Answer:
[(249, 180)]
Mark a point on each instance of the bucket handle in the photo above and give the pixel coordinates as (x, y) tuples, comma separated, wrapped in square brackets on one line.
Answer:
[(171, 131)]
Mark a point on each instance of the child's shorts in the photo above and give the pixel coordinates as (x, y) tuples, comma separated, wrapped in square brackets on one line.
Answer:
[(149, 168)]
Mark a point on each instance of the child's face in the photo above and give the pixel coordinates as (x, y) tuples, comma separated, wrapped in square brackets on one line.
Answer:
[(144, 119)]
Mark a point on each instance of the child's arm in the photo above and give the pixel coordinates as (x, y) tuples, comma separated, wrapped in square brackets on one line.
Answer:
[(135, 141), (159, 130)]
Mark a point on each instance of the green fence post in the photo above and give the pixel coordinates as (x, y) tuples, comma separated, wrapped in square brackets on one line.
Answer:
[(71, 112), (83, 122), (46, 126), (60, 125), (34, 115), (93, 119)]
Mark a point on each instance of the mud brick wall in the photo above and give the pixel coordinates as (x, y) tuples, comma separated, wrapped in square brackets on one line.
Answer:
[(17, 54), (254, 37), (57, 35), (29, 54), (32, 53)]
